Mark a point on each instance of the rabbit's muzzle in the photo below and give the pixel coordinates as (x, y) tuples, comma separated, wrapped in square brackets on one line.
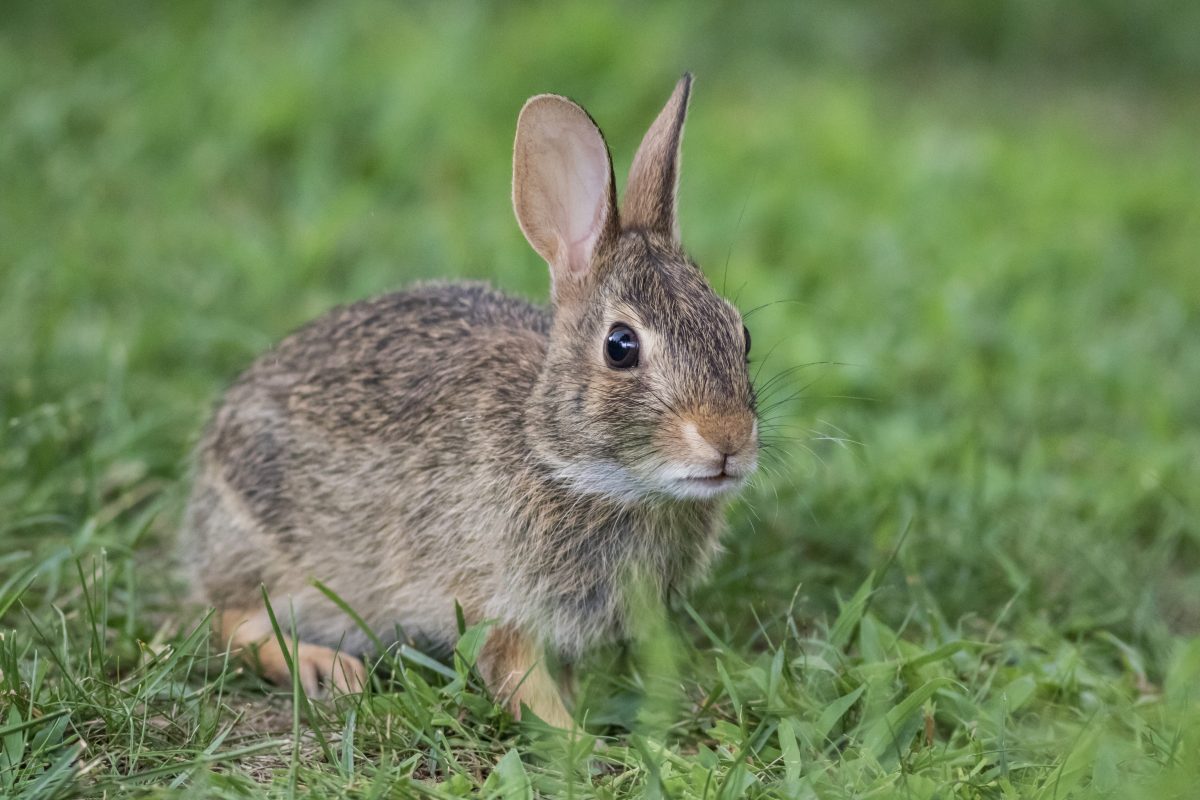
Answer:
[(705, 453)]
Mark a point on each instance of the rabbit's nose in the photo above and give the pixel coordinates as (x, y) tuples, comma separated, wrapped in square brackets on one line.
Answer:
[(728, 434)]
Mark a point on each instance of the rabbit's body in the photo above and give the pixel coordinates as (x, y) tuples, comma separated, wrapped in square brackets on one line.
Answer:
[(451, 445), (364, 450)]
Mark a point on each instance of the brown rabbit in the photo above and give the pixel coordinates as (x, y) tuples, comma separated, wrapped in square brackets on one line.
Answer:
[(452, 444)]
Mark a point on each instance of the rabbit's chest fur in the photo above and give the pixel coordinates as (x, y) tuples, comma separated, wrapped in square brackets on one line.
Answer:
[(381, 450), (588, 562)]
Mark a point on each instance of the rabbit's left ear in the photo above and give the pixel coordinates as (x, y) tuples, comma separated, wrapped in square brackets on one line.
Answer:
[(650, 195)]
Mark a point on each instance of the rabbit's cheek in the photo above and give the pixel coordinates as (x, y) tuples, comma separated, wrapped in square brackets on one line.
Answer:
[(604, 478)]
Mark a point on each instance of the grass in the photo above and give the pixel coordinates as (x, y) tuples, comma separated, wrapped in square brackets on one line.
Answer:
[(971, 566)]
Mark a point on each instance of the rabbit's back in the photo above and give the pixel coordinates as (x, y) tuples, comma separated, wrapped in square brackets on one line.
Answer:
[(356, 452)]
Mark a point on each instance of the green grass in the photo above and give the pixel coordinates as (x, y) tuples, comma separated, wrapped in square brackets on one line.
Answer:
[(971, 566)]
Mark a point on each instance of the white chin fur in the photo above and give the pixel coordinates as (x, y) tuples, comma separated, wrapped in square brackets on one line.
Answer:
[(695, 483)]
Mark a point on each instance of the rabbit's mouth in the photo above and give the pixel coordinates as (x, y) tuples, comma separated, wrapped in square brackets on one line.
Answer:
[(633, 484), (703, 487)]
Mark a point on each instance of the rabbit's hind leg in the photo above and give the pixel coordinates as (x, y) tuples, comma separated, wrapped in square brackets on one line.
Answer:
[(249, 635)]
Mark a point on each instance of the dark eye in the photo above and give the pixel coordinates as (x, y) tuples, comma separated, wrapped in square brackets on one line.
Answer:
[(746, 334), (621, 347)]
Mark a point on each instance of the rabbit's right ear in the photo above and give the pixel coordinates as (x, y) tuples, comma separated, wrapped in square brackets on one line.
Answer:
[(563, 190)]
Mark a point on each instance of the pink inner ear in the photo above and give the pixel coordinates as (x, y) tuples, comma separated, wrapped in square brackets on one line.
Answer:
[(580, 187), (562, 183)]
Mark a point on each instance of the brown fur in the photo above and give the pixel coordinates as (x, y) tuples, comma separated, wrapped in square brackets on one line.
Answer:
[(452, 444), (654, 175)]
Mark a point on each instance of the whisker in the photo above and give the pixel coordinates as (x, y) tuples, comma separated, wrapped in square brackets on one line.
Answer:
[(774, 303), (736, 228)]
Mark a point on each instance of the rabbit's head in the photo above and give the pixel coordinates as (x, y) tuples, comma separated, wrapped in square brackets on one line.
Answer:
[(645, 389)]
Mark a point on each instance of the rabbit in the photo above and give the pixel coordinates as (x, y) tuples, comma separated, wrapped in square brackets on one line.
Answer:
[(452, 445)]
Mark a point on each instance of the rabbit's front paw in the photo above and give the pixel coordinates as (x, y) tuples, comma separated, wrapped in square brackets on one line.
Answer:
[(515, 672)]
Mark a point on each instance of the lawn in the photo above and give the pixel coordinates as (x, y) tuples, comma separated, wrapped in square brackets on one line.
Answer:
[(965, 240)]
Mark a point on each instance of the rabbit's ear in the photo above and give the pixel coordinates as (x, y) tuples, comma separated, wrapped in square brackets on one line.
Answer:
[(650, 195), (563, 190)]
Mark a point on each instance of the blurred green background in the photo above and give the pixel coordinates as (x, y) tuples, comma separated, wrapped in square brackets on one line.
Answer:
[(976, 224)]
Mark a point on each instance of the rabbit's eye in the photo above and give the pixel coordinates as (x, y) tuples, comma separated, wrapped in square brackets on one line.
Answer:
[(746, 335), (621, 347)]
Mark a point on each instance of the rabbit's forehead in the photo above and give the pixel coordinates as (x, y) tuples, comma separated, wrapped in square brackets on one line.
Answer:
[(669, 292), (674, 299)]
